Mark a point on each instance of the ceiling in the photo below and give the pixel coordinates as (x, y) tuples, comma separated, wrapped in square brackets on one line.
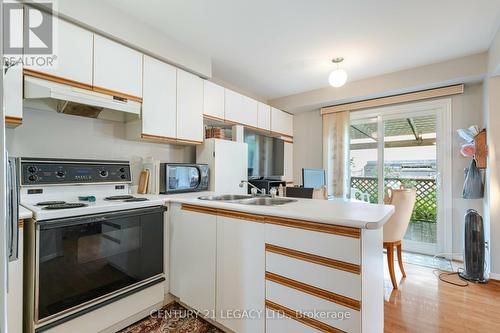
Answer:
[(280, 47)]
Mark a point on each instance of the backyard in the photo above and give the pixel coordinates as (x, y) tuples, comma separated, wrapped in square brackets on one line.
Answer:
[(422, 226)]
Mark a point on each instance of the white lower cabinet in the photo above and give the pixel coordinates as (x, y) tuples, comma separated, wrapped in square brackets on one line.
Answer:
[(240, 275), (277, 323), (193, 258), (256, 273)]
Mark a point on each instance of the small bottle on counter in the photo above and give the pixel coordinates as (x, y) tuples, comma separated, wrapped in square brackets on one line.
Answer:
[(281, 191)]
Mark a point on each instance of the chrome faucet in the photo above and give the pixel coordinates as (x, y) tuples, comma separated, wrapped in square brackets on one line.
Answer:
[(254, 188)]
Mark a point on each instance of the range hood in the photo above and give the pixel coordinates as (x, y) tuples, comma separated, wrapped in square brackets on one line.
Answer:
[(54, 96)]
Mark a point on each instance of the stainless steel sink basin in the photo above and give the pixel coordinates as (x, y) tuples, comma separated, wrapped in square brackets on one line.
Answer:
[(225, 197), (266, 201)]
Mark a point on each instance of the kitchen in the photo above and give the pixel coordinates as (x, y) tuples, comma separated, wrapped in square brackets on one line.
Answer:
[(146, 184)]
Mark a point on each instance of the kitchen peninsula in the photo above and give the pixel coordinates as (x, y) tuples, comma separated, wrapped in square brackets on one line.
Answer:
[(302, 266)]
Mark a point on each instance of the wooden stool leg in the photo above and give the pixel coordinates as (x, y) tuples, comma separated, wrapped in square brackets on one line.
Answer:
[(400, 259), (390, 262)]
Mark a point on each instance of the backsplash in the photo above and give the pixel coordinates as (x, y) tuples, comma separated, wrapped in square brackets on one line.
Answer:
[(53, 135)]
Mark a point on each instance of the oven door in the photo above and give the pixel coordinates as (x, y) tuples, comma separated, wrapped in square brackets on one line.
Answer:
[(85, 260)]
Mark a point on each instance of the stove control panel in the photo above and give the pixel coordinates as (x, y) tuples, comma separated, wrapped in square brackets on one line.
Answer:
[(53, 171)]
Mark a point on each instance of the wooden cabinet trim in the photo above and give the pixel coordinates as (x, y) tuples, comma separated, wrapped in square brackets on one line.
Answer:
[(315, 226), (314, 291), (80, 85), (116, 94), (282, 134), (299, 224), (57, 79), (199, 209), (21, 223), (159, 138), (295, 315), (315, 259), (241, 215), (209, 117), (16, 121)]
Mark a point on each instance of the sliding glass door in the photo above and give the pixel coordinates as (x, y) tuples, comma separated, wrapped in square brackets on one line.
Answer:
[(406, 146)]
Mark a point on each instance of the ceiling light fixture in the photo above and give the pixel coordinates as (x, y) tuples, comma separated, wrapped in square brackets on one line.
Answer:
[(338, 77)]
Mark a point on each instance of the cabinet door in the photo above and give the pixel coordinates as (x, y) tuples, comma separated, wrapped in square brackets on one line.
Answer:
[(233, 105), (281, 122), (240, 273), (213, 100), (73, 47), (288, 162), (117, 68), (249, 114), (159, 99), (264, 116), (189, 107), (193, 257)]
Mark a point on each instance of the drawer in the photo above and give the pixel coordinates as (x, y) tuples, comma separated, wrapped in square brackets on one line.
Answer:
[(322, 310), (327, 278), (276, 323), (342, 248)]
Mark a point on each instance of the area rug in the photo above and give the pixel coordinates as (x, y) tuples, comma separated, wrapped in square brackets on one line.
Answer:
[(172, 318)]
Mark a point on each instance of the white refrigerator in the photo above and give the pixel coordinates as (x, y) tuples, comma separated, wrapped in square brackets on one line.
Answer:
[(227, 162)]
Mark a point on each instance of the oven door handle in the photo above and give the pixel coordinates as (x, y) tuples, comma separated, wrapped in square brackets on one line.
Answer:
[(97, 218)]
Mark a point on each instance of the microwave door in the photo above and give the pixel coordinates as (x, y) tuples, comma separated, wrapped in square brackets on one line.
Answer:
[(183, 178)]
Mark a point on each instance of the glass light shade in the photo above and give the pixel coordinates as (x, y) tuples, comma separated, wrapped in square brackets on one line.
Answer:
[(337, 78)]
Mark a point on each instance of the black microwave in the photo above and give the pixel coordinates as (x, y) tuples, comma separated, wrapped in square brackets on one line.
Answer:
[(183, 177)]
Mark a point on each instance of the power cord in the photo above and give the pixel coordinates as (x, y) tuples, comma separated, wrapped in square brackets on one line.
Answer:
[(442, 275)]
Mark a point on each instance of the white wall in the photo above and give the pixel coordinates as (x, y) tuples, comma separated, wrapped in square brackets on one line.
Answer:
[(55, 135), (466, 111), (112, 22), (492, 199), (467, 69)]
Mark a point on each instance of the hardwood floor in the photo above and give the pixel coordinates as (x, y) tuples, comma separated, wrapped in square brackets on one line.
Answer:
[(424, 304)]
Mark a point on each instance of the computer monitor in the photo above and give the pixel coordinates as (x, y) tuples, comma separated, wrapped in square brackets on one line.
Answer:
[(314, 178)]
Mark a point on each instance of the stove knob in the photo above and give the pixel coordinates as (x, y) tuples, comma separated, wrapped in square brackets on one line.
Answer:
[(60, 174), (32, 178), (103, 173), (123, 176), (32, 169), (122, 169)]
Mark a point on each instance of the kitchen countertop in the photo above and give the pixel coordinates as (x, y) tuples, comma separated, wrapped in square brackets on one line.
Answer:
[(24, 213), (348, 213)]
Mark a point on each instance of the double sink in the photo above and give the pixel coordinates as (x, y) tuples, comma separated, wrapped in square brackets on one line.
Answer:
[(247, 199)]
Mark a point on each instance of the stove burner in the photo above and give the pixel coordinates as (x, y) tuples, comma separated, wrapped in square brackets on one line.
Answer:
[(119, 197), (65, 206), (47, 203), (135, 199)]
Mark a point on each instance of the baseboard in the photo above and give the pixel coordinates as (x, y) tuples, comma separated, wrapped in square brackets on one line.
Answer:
[(495, 277)]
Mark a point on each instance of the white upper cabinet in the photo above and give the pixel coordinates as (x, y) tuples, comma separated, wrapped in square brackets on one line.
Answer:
[(159, 99), (248, 115), (117, 68), (189, 107), (213, 100), (233, 105), (281, 122), (264, 116), (240, 109), (73, 47)]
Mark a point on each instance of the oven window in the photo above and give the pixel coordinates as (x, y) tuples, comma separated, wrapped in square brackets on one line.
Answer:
[(183, 177), (81, 262)]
